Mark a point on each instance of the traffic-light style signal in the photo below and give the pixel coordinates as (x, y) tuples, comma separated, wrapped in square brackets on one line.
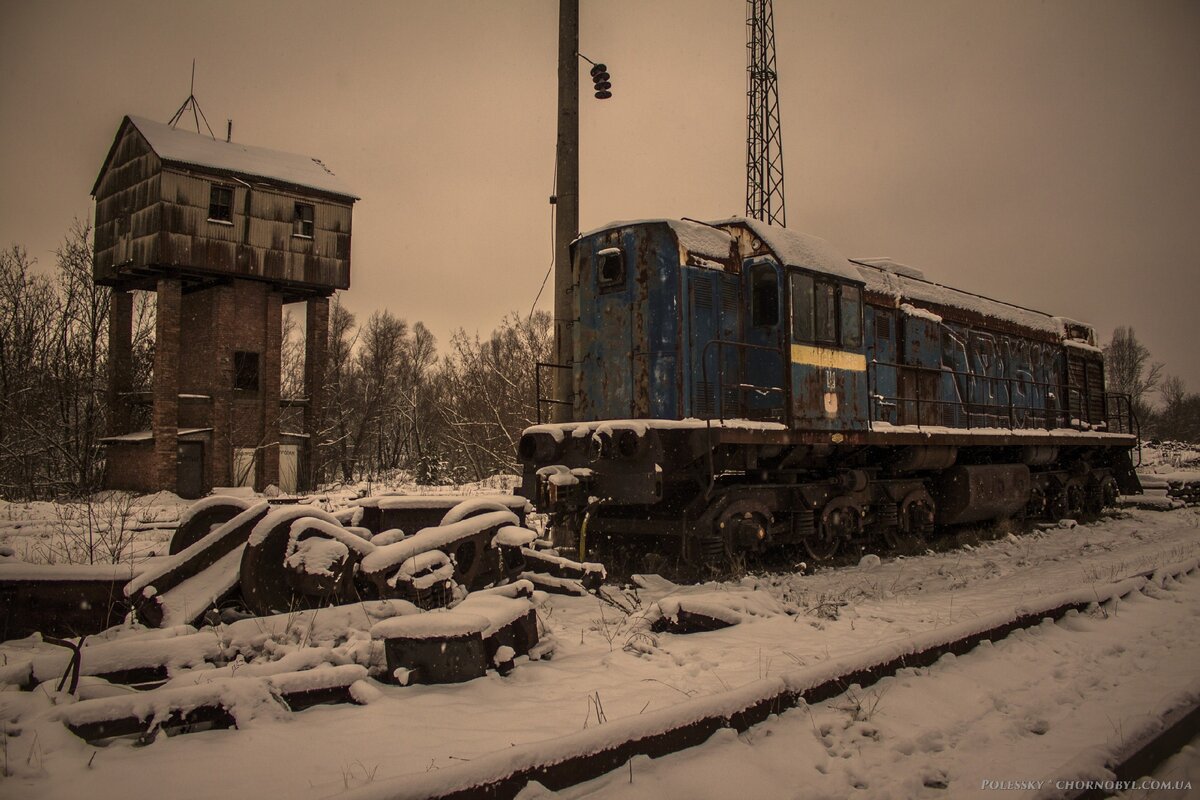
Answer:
[(600, 81)]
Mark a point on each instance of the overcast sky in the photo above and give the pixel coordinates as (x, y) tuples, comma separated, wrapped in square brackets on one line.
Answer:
[(1040, 152)]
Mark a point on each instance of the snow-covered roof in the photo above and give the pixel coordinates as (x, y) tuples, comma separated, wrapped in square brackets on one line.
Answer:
[(881, 277), (795, 249), (179, 146)]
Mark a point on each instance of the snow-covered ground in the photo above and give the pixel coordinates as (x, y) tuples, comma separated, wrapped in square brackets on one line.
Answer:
[(1019, 710)]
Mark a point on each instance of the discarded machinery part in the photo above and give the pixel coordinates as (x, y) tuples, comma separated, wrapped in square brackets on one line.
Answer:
[(1039, 455), (686, 614), (589, 574), (508, 541), (981, 492), (147, 590), (426, 579), (415, 512), (60, 600), (466, 541), (204, 516), (840, 519), (435, 647), (321, 557), (475, 506), (918, 458), (216, 704), (267, 582), (512, 621)]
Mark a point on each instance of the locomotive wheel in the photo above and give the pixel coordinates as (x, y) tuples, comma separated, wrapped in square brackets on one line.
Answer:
[(841, 519), (1075, 497), (1109, 492), (917, 512)]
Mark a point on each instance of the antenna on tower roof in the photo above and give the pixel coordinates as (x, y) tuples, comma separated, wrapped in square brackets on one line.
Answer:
[(194, 104)]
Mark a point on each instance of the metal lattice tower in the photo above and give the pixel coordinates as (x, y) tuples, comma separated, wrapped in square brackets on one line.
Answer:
[(764, 142)]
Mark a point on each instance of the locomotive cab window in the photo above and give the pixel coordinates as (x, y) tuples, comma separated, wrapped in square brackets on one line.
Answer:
[(610, 267), (851, 317), (826, 313), (802, 307), (764, 296)]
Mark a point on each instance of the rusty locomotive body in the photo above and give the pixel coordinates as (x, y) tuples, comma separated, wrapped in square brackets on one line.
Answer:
[(738, 386)]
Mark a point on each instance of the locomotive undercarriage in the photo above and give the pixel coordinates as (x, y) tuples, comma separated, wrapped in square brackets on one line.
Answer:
[(668, 493)]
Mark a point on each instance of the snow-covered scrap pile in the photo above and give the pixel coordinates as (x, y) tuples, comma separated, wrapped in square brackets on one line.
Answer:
[(260, 609)]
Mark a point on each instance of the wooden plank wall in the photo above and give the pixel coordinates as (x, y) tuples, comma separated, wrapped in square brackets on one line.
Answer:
[(128, 216), (259, 243)]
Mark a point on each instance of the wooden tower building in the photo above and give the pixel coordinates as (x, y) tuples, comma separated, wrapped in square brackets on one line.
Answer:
[(225, 235)]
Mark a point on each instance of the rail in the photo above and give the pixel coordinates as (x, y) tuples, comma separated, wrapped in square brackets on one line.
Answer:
[(537, 381)]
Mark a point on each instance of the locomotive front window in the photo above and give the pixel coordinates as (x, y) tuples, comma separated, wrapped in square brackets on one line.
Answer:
[(802, 307), (764, 296), (851, 317), (610, 269), (826, 316)]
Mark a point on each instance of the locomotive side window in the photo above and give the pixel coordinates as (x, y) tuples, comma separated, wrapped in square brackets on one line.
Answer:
[(802, 307), (610, 267), (826, 316), (851, 317), (764, 296)]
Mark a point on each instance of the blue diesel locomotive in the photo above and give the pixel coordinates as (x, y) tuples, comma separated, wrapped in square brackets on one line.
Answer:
[(739, 385)]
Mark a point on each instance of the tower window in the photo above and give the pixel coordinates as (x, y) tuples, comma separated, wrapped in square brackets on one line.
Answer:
[(302, 222), (220, 204), (245, 371)]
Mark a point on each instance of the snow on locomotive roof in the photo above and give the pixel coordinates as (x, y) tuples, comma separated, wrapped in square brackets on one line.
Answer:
[(695, 237), (883, 280), (792, 248), (184, 147)]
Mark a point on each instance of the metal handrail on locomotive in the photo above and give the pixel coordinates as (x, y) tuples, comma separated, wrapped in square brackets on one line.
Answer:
[(738, 386)]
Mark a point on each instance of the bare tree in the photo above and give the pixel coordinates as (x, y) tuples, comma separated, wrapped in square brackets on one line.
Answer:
[(1128, 369)]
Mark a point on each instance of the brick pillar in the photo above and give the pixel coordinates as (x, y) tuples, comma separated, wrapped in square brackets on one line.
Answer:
[(120, 360), (316, 357), (271, 358), (221, 386), (165, 414)]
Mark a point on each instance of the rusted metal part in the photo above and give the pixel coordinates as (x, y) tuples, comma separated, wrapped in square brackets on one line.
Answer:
[(201, 523), (295, 691), (67, 601), (689, 621), (145, 592), (426, 656), (268, 585)]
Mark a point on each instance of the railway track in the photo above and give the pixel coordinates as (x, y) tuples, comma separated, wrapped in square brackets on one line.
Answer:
[(590, 754)]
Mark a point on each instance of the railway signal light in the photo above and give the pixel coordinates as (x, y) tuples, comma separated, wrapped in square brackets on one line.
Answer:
[(600, 81)]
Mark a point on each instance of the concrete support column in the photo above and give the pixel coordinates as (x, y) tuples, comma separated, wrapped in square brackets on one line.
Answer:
[(221, 391), (269, 454), (316, 358), (120, 360), (165, 415)]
